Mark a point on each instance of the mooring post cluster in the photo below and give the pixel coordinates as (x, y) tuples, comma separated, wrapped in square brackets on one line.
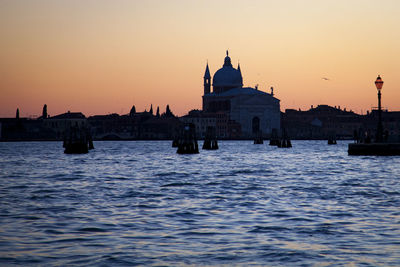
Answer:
[(187, 143), (77, 140)]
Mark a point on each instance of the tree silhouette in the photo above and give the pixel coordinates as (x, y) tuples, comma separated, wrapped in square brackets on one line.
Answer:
[(168, 112), (44, 112), (133, 111)]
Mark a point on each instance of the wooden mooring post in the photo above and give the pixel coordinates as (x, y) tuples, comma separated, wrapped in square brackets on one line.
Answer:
[(210, 141), (285, 141), (187, 143), (274, 139), (258, 138), (77, 140)]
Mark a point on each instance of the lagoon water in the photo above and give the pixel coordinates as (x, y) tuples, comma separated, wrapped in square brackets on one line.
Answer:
[(140, 203)]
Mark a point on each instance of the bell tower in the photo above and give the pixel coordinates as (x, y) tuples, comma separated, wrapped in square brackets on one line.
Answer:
[(207, 81)]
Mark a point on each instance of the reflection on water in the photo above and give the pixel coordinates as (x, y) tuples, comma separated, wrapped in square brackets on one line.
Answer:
[(140, 203)]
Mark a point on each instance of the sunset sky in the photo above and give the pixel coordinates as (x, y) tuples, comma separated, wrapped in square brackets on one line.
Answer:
[(102, 57)]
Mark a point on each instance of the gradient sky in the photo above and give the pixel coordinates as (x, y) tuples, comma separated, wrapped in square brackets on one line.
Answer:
[(102, 57)]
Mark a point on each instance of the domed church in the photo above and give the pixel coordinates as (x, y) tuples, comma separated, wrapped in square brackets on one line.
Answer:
[(253, 109)]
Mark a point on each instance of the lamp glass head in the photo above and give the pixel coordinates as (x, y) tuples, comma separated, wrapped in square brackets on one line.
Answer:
[(379, 83)]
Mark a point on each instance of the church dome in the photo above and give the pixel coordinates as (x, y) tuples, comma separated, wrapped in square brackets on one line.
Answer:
[(227, 77)]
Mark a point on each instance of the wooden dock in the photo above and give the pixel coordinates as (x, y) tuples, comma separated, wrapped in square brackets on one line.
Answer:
[(375, 149)]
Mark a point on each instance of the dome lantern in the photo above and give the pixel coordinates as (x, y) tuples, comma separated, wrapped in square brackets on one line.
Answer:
[(227, 62), (227, 77)]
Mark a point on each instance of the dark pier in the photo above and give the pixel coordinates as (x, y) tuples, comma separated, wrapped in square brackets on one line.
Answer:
[(380, 146), (375, 149)]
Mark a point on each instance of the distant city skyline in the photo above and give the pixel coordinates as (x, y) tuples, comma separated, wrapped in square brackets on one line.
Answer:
[(101, 57)]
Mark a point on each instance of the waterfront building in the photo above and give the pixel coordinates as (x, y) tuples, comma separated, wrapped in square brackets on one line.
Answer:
[(63, 122), (134, 126), (224, 127), (201, 121), (251, 108), (390, 123), (321, 122)]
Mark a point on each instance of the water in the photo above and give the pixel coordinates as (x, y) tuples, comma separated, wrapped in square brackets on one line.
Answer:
[(140, 203)]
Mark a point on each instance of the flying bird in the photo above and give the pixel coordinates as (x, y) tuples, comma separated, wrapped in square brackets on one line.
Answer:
[(326, 79)]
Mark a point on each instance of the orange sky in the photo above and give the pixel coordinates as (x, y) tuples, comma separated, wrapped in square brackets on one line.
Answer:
[(101, 57)]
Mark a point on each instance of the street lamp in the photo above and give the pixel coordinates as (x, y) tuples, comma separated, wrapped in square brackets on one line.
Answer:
[(379, 84)]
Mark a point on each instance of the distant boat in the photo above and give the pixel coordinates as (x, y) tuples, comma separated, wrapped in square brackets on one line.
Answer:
[(332, 138), (332, 142)]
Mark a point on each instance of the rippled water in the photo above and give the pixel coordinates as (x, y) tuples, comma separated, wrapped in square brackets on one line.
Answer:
[(140, 203)]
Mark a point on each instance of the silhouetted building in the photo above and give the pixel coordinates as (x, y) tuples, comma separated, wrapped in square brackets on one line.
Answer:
[(322, 122), (201, 121), (390, 123), (114, 126), (160, 128), (24, 129), (251, 108), (224, 128), (63, 122), (135, 126)]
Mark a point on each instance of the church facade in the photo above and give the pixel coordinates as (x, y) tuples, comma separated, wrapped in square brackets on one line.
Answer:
[(254, 110)]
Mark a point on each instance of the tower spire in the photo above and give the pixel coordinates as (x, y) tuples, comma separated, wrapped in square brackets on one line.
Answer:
[(207, 72), (207, 80), (240, 72)]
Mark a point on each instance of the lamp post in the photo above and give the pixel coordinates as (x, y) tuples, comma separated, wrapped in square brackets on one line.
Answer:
[(379, 84)]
